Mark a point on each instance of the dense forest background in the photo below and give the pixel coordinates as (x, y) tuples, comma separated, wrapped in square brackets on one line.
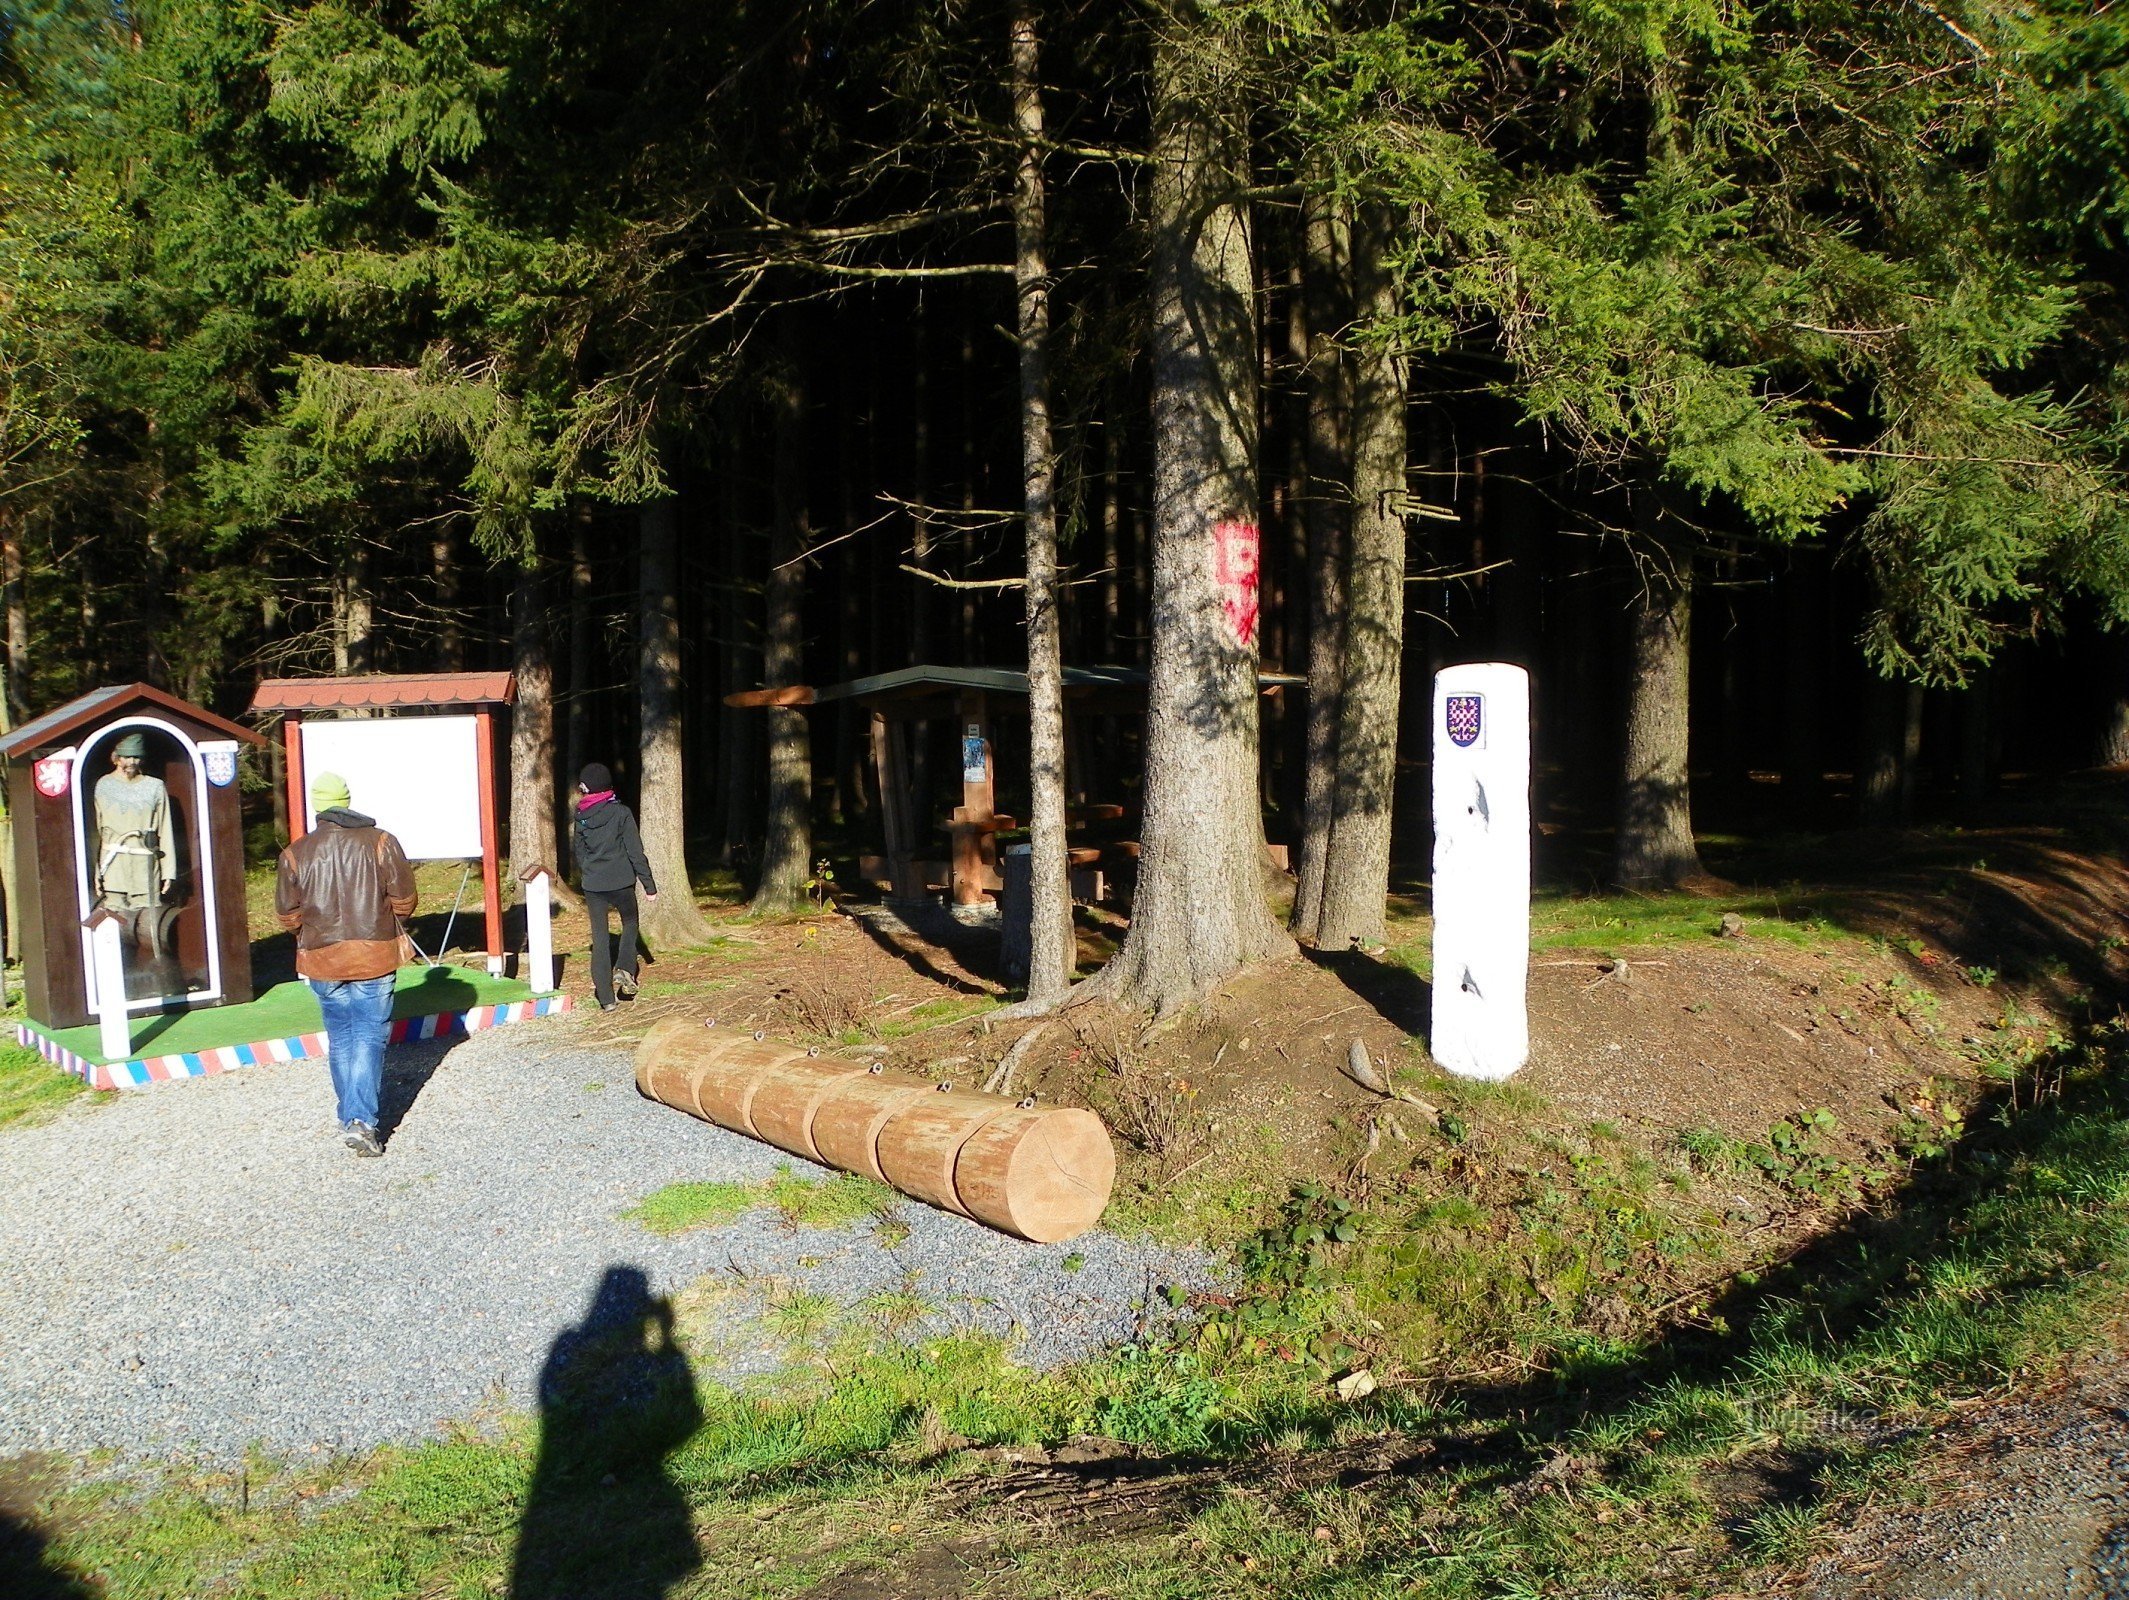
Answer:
[(1752, 372)]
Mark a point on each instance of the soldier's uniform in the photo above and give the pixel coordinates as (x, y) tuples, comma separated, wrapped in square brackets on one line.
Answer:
[(133, 863)]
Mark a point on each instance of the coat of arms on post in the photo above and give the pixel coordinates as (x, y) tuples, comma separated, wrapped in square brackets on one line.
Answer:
[(220, 763), (54, 773), (1465, 715)]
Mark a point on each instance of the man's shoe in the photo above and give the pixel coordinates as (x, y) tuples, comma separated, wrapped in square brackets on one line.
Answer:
[(609, 1005), (625, 985), (362, 1139)]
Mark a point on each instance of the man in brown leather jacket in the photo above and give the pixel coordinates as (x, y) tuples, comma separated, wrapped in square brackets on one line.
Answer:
[(342, 889)]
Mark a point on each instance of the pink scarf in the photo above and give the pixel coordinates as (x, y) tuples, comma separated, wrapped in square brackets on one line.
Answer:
[(590, 800)]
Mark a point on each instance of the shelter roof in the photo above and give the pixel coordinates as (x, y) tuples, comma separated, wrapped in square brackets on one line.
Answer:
[(100, 705), (406, 690), (922, 680)]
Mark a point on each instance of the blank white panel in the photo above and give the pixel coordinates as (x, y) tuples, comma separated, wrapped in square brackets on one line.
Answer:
[(418, 776)]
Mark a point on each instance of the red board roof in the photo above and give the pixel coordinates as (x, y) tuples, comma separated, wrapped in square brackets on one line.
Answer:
[(101, 705), (405, 690)]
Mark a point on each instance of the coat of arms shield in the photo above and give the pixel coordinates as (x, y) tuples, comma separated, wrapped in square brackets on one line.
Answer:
[(1465, 717)]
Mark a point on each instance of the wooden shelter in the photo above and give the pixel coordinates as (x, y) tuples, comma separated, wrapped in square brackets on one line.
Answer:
[(900, 700), (189, 944)]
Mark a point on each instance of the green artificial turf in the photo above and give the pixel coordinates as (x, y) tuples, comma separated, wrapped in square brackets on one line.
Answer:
[(289, 1009)]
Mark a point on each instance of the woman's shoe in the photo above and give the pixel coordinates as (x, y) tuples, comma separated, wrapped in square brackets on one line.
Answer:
[(625, 985)]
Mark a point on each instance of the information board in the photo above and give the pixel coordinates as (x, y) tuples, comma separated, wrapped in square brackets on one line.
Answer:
[(418, 776)]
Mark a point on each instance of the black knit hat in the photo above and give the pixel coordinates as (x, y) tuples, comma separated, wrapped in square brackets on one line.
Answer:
[(595, 778)]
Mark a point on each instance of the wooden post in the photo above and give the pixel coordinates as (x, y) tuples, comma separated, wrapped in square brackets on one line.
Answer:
[(539, 929), (491, 850), (899, 806), (894, 804), (975, 852), (292, 737), (108, 955)]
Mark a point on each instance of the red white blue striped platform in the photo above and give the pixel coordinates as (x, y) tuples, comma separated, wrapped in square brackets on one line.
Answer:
[(227, 1058)]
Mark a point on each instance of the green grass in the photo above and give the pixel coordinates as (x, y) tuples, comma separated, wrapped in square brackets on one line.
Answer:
[(31, 1089), (837, 1202), (931, 1014), (289, 1009), (1626, 921), (1611, 922), (680, 1206)]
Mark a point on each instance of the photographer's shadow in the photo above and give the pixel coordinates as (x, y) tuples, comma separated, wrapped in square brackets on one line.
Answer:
[(602, 1520)]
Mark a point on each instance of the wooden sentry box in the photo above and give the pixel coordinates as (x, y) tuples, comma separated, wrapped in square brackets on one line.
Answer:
[(52, 764)]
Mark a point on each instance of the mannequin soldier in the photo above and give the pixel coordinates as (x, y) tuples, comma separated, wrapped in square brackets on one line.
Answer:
[(134, 866)]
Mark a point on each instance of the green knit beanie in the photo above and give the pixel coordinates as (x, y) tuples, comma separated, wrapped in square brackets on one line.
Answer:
[(328, 790)]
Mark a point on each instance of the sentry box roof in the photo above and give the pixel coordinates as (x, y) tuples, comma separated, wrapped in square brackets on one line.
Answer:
[(98, 706)]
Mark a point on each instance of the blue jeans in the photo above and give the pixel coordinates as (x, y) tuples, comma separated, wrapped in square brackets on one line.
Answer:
[(358, 1017)]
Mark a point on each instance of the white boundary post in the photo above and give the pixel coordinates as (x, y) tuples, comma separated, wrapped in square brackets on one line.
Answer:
[(539, 930), (1481, 869), (113, 1037)]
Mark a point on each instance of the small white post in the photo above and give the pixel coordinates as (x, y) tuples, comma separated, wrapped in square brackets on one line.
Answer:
[(1481, 869), (105, 949), (539, 929)]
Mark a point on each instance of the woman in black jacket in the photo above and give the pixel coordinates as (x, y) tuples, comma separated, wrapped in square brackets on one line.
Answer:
[(610, 863)]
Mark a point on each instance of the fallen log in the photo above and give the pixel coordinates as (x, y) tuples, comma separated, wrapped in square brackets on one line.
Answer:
[(1039, 1173)]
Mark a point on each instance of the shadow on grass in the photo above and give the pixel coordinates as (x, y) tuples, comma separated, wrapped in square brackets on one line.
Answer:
[(602, 1519), (925, 929), (28, 1570), (1399, 994)]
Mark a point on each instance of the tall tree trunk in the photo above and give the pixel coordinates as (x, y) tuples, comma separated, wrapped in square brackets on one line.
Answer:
[(2113, 748), (1326, 512), (1655, 846), (923, 649), (10, 905), (576, 711), (353, 612), (1200, 913), (443, 575), (14, 597), (532, 797), (88, 649), (1803, 751), (2114, 734), (787, 849), (155, 581), (738, 730), (1112, 548), (1356, 877), (276, 751), (1892, 742), (1974, 737), (1910, 750), (673, 919), (1053, 949), (965, 538)]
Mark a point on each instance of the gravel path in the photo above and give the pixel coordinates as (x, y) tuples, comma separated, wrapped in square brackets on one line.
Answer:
[(2028, 1498), (201, 1267)]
